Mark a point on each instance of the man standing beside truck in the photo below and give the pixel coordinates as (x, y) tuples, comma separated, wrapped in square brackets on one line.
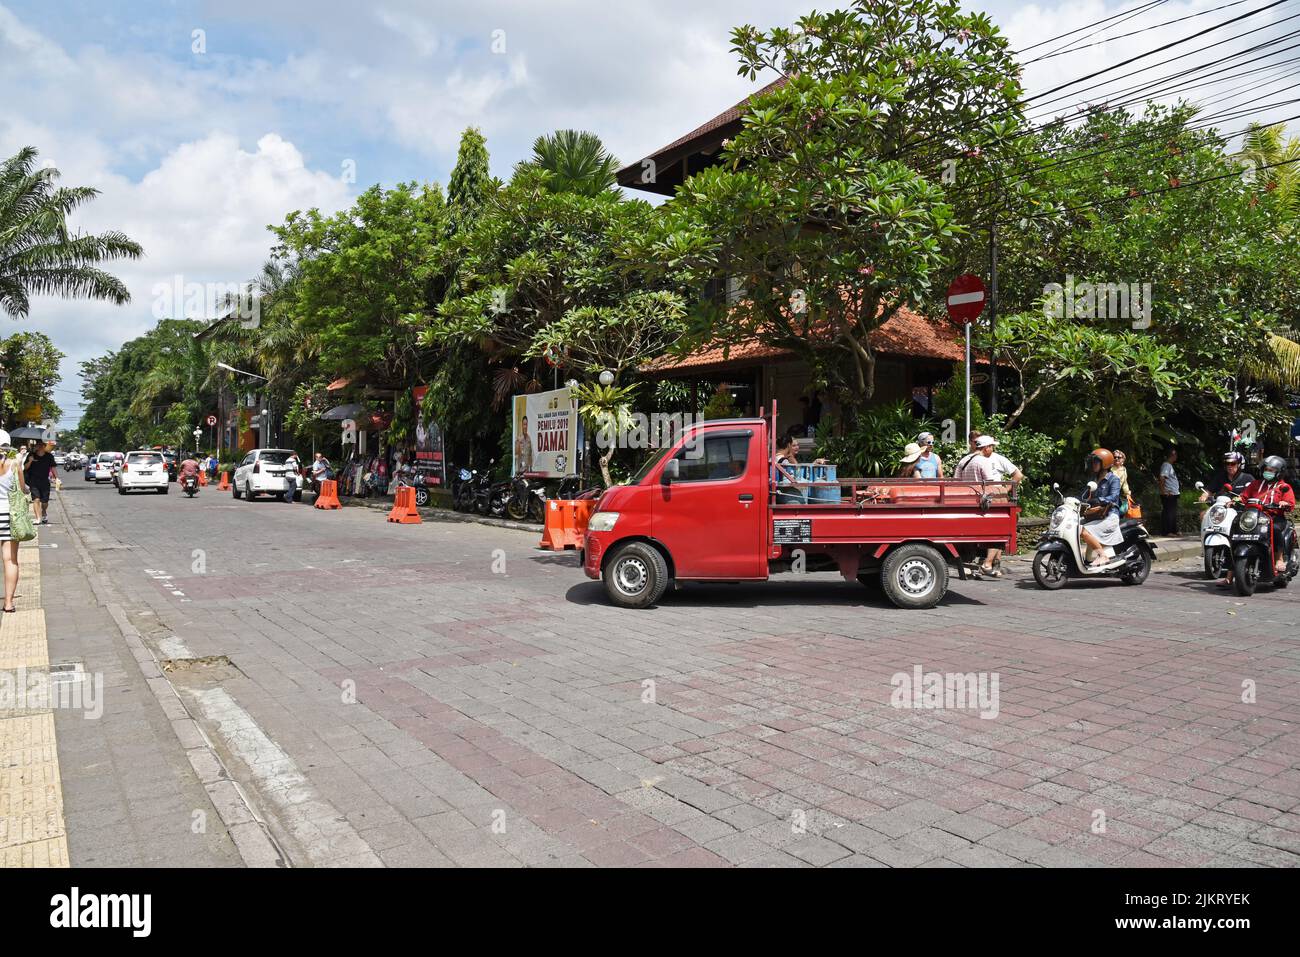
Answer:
[(986, 464)]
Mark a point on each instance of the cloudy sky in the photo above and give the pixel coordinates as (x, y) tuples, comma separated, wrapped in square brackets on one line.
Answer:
[(203, 122)]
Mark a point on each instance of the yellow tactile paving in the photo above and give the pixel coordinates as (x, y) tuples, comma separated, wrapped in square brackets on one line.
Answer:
[(32, 829), (22, 640), (50, 853)]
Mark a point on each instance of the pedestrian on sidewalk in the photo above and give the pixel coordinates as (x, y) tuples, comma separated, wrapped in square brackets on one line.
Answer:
[(37, 471), (11, 470), (1169, 492)]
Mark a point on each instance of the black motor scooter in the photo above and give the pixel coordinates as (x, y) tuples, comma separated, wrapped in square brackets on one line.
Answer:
[(190, 485), (1253, 560), (526, 501)]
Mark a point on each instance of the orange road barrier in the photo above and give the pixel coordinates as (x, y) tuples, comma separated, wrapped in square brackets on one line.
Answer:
[(404, 511), (203, 478), (329, 495), (225, 482), (566, 523)]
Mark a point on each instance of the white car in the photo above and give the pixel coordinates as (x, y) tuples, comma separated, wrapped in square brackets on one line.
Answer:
[(262, 471), (143, 469), (102, 470)]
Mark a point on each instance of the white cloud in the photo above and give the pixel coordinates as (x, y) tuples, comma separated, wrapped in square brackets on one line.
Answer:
[(201, 215)]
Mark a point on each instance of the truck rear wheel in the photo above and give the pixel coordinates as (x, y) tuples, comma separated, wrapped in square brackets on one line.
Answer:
[(915, 576), (636, 575)]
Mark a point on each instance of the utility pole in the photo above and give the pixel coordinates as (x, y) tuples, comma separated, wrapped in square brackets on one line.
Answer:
[(993, 305)]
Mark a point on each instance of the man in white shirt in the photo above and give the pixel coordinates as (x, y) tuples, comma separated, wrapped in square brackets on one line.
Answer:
[(986, 464)]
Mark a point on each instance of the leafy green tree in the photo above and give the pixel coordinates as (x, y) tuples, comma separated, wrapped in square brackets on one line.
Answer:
[(617, 337), (460, 395), (150, 391), (471, 183), (32, 363), (359, 273), (1150, 204), (828, 207), (533, 257), (39, 254)]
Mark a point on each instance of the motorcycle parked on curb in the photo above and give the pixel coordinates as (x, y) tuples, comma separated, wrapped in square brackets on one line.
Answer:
[(1061, 550), (527, 501), (1253, 560), (1216, 530), (462, 488)]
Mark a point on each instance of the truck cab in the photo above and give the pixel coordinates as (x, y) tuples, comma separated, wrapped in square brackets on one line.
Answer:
[(706, 508)]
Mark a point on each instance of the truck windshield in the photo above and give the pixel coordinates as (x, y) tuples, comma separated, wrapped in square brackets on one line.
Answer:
[(653, 458)]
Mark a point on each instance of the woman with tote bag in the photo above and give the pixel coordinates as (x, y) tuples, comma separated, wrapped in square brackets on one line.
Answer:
[(15, 519)]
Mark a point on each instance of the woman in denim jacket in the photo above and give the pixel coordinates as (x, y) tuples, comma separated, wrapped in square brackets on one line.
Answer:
[(1101, 515)]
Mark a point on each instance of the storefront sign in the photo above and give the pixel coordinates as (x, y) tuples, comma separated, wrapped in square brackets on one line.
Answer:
[(429, 459), (545, 435)]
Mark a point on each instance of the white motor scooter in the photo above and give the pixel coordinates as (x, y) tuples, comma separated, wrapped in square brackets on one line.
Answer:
[(1216, 531), (1061, 552)]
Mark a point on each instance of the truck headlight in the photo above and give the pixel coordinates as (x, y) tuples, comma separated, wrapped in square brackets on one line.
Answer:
[(602, 522)]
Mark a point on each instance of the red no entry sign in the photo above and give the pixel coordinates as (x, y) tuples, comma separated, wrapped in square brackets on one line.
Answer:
[(966, 298)]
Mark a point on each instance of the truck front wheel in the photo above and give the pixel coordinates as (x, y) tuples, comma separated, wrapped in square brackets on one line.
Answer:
[(915, 576), (636, 575)]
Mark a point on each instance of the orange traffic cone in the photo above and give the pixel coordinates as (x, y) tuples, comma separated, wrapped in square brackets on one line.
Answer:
[(329, 495), (225, 482), (203, 478), (404, 511)]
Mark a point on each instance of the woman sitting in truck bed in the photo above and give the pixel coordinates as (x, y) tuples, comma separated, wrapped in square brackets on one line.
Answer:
[(788, 491)]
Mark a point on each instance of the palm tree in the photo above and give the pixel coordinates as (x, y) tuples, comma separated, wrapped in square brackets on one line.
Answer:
[(1277, 158), (575, 162), (38, 253)]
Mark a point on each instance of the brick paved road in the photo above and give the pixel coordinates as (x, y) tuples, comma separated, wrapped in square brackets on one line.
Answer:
[(389, 698)]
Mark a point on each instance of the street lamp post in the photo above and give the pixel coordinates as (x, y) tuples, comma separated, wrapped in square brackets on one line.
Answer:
[(198, 434)]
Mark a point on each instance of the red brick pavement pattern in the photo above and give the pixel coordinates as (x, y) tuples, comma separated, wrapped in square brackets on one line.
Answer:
[(769, 737)]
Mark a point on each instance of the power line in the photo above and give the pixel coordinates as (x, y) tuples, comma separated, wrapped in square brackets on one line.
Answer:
[(1139, 9), (1133, 33)]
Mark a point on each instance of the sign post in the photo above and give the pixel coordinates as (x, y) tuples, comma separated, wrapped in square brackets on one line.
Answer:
[(965, 302), (212, 437)]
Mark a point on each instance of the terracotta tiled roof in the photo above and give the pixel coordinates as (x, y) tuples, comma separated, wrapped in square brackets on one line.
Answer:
[(906, 334)]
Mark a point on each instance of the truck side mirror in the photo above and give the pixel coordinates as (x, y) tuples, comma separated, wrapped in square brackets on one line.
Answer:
[(671, 472)]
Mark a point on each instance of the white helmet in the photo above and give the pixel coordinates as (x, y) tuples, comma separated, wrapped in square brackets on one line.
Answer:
[(5, 441)]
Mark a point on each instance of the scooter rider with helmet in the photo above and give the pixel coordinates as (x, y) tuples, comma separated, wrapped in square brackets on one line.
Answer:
[(1233, 474), (1277, 499), (1102, 506)]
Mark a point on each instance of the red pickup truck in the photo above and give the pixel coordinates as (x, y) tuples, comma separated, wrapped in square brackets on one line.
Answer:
[(707, 508)]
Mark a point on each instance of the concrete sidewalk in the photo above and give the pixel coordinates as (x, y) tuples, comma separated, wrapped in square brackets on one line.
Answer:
[(127, 796)]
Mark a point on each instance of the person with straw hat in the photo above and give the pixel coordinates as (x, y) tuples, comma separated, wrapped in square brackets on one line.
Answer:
[(907, 465)]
